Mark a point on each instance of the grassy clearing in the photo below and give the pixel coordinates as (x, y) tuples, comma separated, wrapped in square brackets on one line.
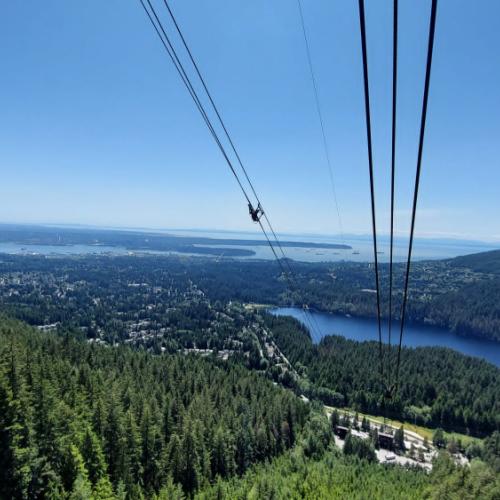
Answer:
[(423, 432)]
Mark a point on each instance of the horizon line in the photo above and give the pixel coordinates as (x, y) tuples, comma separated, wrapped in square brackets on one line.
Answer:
[(434, 236)]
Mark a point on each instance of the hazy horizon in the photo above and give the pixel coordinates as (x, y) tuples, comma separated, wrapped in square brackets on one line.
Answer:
[(256, 234)]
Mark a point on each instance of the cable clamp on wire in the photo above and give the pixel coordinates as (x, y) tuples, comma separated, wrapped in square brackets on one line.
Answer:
[(255, 213)]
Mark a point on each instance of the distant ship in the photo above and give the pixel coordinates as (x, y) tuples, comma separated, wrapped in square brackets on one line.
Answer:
[(355, 253)]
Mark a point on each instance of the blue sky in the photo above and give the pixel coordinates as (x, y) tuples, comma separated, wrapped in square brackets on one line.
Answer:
[(96, 128)]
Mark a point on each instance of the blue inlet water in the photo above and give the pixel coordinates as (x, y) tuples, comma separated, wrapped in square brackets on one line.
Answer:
[(414, 336)]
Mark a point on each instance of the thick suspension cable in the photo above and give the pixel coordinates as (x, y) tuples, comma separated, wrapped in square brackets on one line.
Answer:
[(169, 48), (209, 95), (185, 79), (430, 47), (321, 121), (393, 159), (238, 157), (223, 125), (293, 285), (233, 147), (370, 167)]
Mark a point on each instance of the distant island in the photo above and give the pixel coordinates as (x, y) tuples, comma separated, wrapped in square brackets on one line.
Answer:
[(149, 241)]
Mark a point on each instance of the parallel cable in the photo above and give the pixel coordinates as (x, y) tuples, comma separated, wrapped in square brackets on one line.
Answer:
[(370, 167), (233, 147), (221, 121), (169, 48), (320, 119), (393, 158), (209, 95), (185, 79), (292, 284), (432, 28), (223, 125), (228, 136)]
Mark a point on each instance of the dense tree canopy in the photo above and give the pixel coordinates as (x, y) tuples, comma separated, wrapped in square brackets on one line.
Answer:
[(77, 417), (439, 387), (333, 476), (79, 420), (83, 415), (462, 294)]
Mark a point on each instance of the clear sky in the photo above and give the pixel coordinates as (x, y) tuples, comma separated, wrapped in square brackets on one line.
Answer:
[(96, 128)]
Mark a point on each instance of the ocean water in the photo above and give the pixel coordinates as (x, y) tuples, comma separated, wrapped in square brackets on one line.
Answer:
[(362, 247)]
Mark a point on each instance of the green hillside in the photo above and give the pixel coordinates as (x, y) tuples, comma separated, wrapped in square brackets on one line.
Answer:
[(84, 421)]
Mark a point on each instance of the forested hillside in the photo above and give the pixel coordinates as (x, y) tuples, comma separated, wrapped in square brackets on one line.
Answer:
[(87, 421), (329, 475), (439, 387), (102, 292), (177, 304), (462, 295), (333, 476), (76, 418), (149, 376), (484, 262)]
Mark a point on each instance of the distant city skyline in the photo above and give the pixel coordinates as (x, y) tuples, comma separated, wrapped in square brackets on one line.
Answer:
[(96, 128)]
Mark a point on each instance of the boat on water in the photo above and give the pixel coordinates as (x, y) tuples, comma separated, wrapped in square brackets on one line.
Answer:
[(355, 253)]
